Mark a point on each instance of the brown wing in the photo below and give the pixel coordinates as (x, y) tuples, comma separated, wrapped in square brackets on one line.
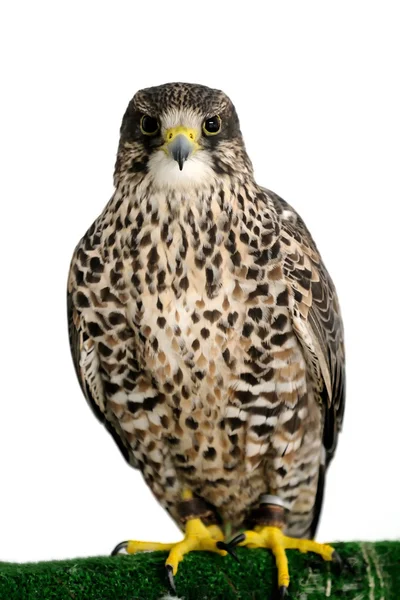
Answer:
[(318, 325), (87, 367)]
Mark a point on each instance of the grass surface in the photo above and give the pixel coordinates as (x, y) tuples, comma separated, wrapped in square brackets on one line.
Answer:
[(374, 575)]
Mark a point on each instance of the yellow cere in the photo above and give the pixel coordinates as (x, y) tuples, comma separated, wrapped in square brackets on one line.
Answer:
[(191, 134)]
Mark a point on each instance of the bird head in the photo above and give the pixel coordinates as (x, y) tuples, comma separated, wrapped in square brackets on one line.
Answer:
[(180, 135)]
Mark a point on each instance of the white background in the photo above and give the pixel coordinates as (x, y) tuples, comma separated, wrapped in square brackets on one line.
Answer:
[(316, 88)]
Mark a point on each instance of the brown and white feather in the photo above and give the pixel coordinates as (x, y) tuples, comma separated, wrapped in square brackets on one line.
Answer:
[(205, 329)]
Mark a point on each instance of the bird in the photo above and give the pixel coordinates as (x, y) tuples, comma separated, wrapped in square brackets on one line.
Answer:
[(206, 333)]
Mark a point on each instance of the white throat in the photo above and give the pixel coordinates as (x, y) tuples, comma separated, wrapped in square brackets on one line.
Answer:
[(196, 173)]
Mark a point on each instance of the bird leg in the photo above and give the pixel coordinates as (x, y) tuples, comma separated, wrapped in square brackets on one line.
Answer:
[(201, 533), (269, 520)]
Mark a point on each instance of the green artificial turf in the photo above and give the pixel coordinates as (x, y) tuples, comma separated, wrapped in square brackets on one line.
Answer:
[(374, 575)]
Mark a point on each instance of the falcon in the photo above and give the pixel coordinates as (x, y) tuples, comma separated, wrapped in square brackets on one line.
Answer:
[(206, 333)]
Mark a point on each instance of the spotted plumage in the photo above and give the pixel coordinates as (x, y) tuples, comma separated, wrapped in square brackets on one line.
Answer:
[(205, 329)]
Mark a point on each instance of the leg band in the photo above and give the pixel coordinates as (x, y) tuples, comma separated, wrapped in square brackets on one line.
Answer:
[(196, 508), (268, 515)]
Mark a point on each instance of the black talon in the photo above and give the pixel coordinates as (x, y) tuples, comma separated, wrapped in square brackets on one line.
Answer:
[(238, 539), (170, 576), (228, 548), (121, 546), (337, 561), (342, 563), (280, 593)]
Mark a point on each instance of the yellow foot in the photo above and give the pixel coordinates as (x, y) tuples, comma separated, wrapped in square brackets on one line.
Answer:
[(273, 539), (197, 537)]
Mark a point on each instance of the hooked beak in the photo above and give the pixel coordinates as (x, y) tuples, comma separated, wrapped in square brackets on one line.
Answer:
[(180, 144)]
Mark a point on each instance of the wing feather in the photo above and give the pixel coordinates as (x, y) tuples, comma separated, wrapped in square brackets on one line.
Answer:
[(87, 367), (318, 324)]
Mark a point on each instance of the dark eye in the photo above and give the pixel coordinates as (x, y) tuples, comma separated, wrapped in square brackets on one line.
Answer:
[(149, 125), (212, 126)]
